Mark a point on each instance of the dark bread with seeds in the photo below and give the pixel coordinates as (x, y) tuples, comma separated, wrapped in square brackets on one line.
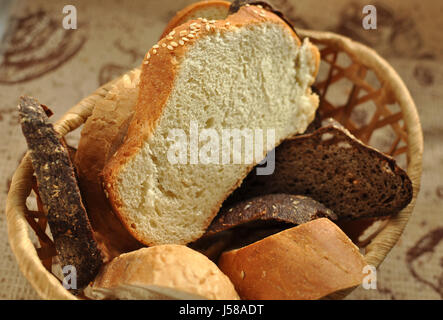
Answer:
[(248, 221), (57, 184), (286, 208), (335, 168)]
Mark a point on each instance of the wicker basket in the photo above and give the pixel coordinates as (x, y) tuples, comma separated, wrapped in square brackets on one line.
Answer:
[(371, 84)]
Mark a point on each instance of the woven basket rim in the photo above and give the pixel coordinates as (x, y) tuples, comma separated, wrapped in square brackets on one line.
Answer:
[(49, 287)]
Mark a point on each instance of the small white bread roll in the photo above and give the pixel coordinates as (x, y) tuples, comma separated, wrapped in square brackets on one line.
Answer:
[(162, 272), (309, 261)]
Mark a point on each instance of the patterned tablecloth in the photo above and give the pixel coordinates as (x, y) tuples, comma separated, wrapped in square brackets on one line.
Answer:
[(60, 67)]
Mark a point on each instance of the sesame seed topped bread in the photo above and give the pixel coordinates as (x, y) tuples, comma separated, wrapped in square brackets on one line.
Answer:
[(248, 71), (73, 237), (104, 131), (310, 261), (333, 167), (162, 272), (210, 10)]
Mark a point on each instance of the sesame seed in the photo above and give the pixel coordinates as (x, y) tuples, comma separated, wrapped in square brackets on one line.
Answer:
[(163, 45), (208, 27), (255, 11), (172, 33), (181, 42), (200, 18), (212, 21), (146, 62), (260, 6), (228, 23), (262, 15), (170, 38), (156, 46), (183, 33), (148, 55), (170, 47), (154, 51), (193, 24), (247, 5), (205, 20), (185, 39), (190, 36), (174, 44)]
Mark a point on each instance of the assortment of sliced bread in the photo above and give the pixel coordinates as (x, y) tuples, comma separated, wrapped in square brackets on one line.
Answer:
[(253, 73), (217, 66)]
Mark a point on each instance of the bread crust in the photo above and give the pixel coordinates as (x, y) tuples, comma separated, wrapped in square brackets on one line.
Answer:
[(167, 266), (156, 83), (101, 135), (309, 261), (183, 15)]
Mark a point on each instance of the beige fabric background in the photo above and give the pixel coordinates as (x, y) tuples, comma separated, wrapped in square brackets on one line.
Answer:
[(112, 38)]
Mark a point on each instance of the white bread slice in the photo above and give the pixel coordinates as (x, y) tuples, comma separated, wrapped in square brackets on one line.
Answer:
[(310, 261), (104, 131), (161, 272), (210, 10), (248, 71)]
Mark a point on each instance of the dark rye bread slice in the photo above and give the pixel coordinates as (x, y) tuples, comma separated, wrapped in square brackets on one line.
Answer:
[(57, 184), (285, 208), (248, 221), (333, 167)]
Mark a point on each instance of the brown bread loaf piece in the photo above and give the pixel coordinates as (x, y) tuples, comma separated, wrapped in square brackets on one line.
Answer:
[(333, 167), (309, 261), (59, 192)]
